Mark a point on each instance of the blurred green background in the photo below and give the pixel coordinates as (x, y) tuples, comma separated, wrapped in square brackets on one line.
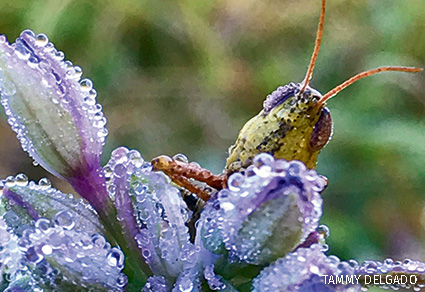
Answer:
[(184, 76)]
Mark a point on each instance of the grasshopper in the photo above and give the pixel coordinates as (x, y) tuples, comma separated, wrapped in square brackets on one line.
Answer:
[(294, 124)]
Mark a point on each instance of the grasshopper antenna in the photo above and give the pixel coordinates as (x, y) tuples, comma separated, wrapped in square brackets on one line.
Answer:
[(364, 74), (319, 34)]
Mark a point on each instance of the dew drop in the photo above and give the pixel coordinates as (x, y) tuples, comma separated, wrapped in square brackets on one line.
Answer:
[(324, 231), (41, 40), (122, 280), (295, 168), (59, 55), (86, 85), (147, 254), (141, 190), (89, 101), (107, 171), (78, 71), (263, 159), (135, 158), (64, 219), (44, 183), (10, 181), (21, 180), (22, 51), (119, 170), (227, 206), (33, 61), (43, 224), (102, 133), (33, 256), (235, 182), (98, 240), (46, 249), (115, 257), (181, 157), (28, 32), (186, 285)]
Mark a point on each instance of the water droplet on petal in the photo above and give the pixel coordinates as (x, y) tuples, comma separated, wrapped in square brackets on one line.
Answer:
[(64, 219), (21, 180), (43, 224), (59, 55), (122, 280), (41, 40), (28, 32), (102, 133), (263, 159), (98, 240), (324, 231), (86, 85), (235, 182), (119, 170), (33, 256), (47, 249), (10, 181), (115, 257), (44, 183)]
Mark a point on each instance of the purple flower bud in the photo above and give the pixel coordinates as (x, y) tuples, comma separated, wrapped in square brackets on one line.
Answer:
[(53, 112), (150, 210), (52, 239), (265, 213)]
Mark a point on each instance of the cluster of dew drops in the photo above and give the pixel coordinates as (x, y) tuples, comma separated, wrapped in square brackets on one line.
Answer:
[(62, 239), (53, 78)]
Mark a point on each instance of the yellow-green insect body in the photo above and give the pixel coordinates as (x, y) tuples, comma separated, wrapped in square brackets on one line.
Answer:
[(291, 126)]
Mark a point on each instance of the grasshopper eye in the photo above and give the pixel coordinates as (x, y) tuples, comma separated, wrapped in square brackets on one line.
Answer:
[(322, 131)]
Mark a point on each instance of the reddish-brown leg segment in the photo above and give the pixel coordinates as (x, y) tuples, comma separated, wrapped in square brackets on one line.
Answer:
[(180, 173)]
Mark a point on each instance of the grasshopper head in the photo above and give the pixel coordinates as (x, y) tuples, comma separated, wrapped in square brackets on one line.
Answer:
[(298, 106)]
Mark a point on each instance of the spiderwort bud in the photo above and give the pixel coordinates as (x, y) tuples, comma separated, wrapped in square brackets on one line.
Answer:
[(45, 234), (265, 213), (53, 112)]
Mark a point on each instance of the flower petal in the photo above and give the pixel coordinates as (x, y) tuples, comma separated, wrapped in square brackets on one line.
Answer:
[(56, 254), (150, 210), (53, 112), (23, 202)]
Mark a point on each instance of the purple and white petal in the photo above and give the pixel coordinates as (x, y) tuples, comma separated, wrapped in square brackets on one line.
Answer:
[(23, 202), (56, 254), (150, 210), (53, 111)]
